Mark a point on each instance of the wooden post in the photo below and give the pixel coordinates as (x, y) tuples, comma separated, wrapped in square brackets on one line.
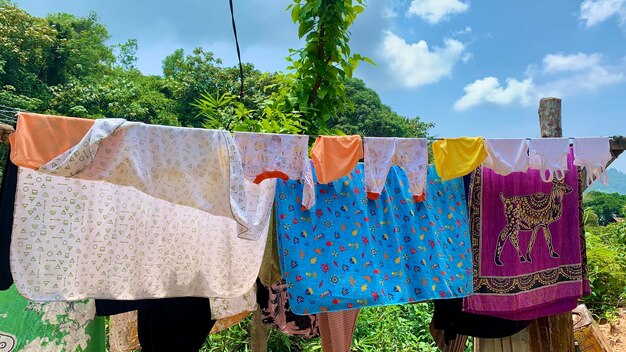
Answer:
[(258, 333), (554, 333)]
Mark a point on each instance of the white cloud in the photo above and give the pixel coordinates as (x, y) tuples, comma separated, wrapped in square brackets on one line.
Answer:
[(489, 90), (388, 12), (593, 12), (434, 11), (416, 64), (575, 62), (561, 75)]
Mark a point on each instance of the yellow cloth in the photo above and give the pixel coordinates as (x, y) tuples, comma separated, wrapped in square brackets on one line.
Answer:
[(456, 157), (270, 267)]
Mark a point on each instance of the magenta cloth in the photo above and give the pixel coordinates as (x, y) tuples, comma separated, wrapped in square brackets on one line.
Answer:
[(525, 284)]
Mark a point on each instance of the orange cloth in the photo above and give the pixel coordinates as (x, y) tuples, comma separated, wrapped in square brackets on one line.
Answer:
[(337, 330), (40, 138), (335, 156)]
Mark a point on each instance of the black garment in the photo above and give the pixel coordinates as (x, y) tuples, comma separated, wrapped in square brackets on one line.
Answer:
[(106, 307), (450, 318), (7, 207), (175, 324)]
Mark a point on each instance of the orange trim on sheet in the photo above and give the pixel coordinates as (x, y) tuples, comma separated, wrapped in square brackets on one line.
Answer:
[(40, 138)]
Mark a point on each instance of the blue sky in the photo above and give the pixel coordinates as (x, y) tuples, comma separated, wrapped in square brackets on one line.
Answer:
[(472, 67)]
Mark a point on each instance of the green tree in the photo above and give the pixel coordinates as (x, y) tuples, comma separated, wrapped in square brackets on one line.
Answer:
[(605, 205), (79, 50), (318, 68), (187, 77), (368, 116), (25, 45)]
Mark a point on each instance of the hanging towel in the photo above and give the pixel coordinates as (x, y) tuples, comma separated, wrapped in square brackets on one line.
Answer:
[(50, 326), (549, 154), (276, 312), (457, 157), (526, 244), (409, 153), (350, 252), (277, 156), (197, 168), (505, 156), (593, 154), (337, 330), (335, 156), (80, 239)]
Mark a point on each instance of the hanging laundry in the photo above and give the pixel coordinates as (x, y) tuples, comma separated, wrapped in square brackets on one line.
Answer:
[(350, 252), (456, 157), (526, 242), (175, 324), (593, 154), (277, 313), (198, 168), (549, 154), (277, 156), (409, 153), (270, 267), (505, 156), (80, 239), (40, 138), (7, 206), (52, 326), (337, 330), (335, 156), (450, 318), (222, 308)]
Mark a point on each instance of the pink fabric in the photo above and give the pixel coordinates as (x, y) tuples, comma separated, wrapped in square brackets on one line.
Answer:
[(337, 330), (535, 280)]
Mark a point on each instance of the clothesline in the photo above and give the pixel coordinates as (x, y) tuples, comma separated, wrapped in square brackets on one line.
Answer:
[(15, 111)]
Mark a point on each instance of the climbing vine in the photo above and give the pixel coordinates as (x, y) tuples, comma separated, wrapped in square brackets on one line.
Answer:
[(318, 69)]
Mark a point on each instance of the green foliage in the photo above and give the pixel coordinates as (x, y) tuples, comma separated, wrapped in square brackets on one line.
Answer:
[(591, 218), (318, 69), (605, 205), (368, 116), (607, 268), (389, 328)]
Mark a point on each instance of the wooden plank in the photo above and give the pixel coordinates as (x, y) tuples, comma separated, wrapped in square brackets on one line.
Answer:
[(554, 333)]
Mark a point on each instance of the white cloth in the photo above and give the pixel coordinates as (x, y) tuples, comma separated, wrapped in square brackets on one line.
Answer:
[(283, 156), (505, 156), (75, 239), (222, 308), (549, 154), (381, 153), (593, 154), (188, 166)]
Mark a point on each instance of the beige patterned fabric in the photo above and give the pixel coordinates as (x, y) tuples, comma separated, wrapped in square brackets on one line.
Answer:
[(282, 156), (123, 335), (194, 167), (227, 307), (76, 239)]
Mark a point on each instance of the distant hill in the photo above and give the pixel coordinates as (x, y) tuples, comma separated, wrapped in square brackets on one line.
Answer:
[(617, 183)]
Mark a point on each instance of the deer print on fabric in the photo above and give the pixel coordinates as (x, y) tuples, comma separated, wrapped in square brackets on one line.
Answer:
[(529, 214)]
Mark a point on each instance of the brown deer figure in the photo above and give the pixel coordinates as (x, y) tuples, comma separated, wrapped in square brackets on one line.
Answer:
[(529, 214)]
